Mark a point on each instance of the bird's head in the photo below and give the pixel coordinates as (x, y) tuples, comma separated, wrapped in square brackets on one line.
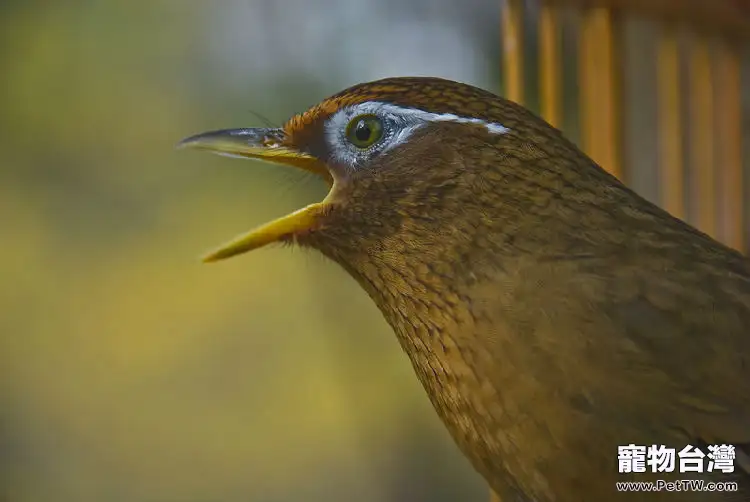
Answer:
[(418, 165)]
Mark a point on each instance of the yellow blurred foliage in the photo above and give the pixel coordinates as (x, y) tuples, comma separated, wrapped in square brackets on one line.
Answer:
[(131, 371)]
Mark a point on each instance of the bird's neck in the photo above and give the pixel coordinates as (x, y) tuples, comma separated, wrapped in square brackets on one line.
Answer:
[(418, 249), (422, 298)]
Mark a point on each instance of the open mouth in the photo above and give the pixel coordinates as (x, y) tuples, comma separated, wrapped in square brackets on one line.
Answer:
[(265, 144)]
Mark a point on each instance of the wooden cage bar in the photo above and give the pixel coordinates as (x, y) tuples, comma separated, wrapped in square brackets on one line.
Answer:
[(669, 118), (550, 65), (697, 91), (600, 133), (701, 132), (513, 53), (729, 145)]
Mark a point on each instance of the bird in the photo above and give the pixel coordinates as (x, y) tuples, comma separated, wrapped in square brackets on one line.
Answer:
[(559, 323)]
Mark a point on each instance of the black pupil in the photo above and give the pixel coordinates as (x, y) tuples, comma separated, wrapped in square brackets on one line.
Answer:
[(362, 132)]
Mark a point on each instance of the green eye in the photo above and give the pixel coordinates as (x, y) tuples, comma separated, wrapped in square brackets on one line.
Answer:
[(364, 131)]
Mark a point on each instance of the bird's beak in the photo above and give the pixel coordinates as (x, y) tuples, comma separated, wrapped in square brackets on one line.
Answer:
[(265, 144)]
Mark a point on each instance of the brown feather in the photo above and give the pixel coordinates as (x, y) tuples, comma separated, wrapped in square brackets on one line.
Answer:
[(550, 313)]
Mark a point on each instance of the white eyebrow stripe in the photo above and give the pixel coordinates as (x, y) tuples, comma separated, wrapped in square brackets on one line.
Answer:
[(404, 120), (492, 127)]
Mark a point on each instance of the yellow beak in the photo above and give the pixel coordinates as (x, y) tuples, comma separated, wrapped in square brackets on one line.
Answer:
[(266, 144)]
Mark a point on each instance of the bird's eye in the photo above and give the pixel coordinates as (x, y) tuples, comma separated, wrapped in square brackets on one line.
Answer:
[(364, 131)]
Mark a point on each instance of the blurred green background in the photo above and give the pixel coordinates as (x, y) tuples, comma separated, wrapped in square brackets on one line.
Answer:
[(131, 371)]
